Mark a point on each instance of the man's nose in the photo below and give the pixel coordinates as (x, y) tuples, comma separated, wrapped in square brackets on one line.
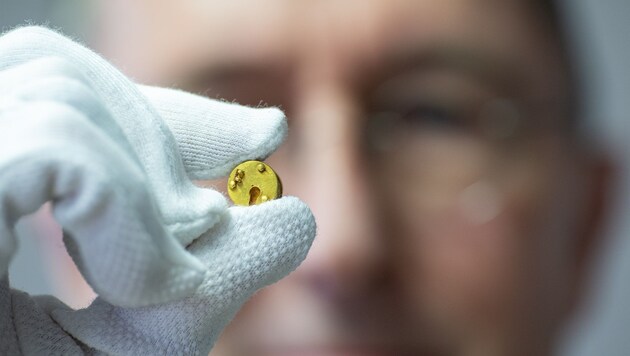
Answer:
[(330, 175)]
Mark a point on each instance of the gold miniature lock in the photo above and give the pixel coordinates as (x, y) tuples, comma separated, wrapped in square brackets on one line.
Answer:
[(252, 183)]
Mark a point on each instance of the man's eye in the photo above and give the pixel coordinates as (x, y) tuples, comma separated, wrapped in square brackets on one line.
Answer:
[(497, 121), (431, 117), (393, 128)]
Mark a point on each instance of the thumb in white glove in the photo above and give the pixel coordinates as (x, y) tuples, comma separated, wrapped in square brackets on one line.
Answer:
[(251, 248)]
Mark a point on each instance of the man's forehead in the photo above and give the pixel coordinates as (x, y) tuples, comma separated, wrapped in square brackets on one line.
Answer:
[(353, 37), (180, 38), (357, 31), (193, 43), (318, 26)]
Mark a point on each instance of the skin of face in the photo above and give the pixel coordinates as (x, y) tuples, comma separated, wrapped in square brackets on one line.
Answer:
[(460, 227)]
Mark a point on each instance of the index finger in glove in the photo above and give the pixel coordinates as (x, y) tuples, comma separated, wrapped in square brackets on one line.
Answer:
[(187, 211), (63, 150), (212, 135)]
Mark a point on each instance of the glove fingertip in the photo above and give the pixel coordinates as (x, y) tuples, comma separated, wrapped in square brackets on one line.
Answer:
[(256, 246), (212, 135)]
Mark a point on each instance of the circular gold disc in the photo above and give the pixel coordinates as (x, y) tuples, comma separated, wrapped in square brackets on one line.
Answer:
[(253, 182)]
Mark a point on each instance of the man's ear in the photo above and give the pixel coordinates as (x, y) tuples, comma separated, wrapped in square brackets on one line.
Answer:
[(600, 170)]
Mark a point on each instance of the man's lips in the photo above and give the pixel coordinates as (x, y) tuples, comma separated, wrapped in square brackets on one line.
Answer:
[(328, 351), (294, 321)]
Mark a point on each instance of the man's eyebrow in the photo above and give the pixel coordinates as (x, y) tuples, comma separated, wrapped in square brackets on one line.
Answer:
[(236, 71), (479, 64)]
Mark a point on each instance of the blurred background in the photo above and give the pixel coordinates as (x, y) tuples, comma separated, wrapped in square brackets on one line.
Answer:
[(176, 45)]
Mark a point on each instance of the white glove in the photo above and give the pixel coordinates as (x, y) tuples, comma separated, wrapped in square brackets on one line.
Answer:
[(116, 161)]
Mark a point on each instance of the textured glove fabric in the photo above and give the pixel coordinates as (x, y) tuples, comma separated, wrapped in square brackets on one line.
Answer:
[(185, 209), (214, 136), (72, 133), (191, 326), (50, 151), (170, 261)]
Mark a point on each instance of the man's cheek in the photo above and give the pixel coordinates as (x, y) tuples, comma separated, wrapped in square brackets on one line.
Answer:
[(468, 270)]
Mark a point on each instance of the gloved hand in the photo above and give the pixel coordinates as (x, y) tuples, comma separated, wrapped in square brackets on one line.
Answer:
[(170, 261)]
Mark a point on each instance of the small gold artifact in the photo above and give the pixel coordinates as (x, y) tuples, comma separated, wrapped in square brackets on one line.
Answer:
[(252, 183)]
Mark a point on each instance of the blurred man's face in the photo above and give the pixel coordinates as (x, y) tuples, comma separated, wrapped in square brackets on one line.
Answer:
[(430, 138)]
